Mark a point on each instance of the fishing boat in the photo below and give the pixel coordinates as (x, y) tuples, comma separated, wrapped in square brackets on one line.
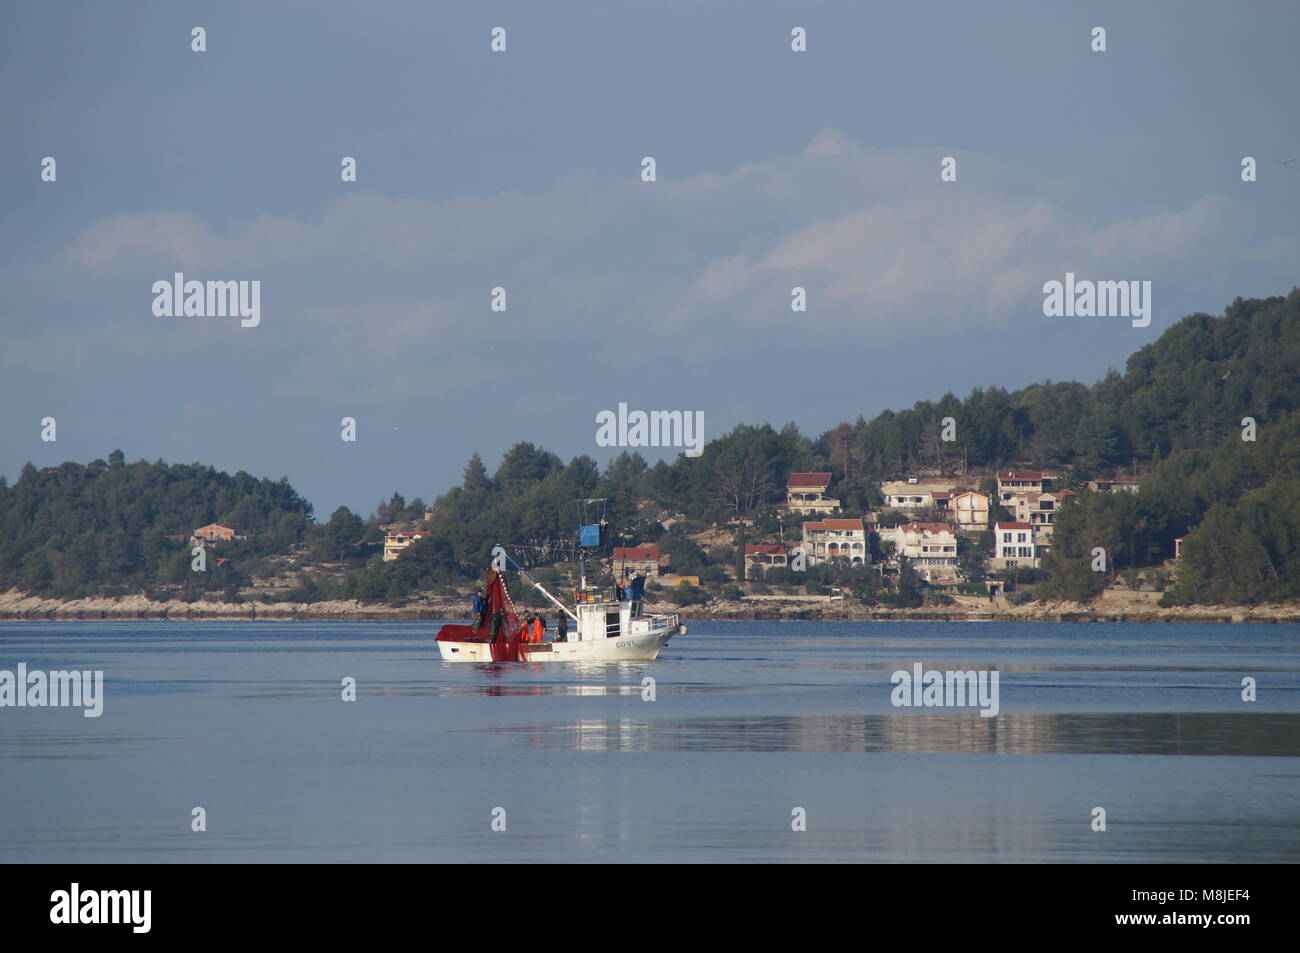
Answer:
[(610, 624)]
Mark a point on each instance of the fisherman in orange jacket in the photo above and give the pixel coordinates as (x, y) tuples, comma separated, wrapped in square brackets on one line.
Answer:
[(539, 630)]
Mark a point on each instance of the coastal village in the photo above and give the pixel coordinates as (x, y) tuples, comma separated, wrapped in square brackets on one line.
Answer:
[(941, 527)]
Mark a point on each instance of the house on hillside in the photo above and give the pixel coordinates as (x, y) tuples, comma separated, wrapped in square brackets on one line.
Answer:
[(396, 540), (1013, 483), (825, 540), (765, 555), (1013, 545), (636, 561), (969, 510), (214, 533), (1119, 484), (931, 548), (806, 493), (1039, 510)]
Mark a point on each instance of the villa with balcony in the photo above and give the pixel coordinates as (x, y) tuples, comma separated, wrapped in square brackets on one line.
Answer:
[(827, 540), (806, 493)]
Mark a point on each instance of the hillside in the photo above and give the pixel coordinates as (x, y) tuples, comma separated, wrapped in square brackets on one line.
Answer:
[(1175, 414)]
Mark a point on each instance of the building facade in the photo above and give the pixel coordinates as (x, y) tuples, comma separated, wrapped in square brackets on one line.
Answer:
[(836, 539)]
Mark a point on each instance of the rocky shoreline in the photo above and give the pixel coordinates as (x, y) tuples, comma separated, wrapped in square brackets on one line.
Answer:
[(1111, 607)]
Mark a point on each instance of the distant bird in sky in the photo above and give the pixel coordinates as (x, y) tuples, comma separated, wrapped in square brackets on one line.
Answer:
[(1287, 162)]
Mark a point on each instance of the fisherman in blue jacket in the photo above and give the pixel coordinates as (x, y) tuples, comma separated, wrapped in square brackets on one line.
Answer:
[(479, 607)]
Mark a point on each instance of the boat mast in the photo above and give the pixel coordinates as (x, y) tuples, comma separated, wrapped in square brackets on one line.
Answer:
[(523, 575)]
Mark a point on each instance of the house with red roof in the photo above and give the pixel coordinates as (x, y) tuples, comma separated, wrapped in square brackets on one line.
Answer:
[(763, 555), (806, 493), (636, 561), (396, 540), (1013, 483)]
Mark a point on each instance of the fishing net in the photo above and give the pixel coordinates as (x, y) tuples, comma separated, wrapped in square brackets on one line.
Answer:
[(505, 648)]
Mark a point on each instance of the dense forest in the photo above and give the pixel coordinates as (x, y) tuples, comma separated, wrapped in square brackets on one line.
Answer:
[(1176, 414), (73, 530)]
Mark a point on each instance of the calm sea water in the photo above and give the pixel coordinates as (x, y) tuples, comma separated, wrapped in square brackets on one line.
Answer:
[(750, 721)]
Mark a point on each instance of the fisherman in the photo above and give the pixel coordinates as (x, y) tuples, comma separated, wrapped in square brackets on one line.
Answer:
[(498, 619), (561, 627), (479, 608), (539, 630)]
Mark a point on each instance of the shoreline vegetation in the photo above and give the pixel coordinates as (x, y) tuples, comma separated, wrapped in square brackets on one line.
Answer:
[(1115, 606)]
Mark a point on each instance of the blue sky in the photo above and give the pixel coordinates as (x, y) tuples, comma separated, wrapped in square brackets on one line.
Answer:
[(521, 169)]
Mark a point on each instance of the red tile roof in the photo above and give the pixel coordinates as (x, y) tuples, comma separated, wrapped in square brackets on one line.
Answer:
[(763, 549), (1030, 475), (998, 526), (926, 527), (822, 480), (636, 552), (835, 524)]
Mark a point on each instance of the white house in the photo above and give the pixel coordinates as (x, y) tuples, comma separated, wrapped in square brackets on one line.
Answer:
[(1013, 483), (902, 495), (836, 539), (969, 510), (1013, 545), (397, 540), (931, 548)]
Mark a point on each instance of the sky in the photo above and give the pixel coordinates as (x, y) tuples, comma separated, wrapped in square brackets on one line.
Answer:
[(522, 170)]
